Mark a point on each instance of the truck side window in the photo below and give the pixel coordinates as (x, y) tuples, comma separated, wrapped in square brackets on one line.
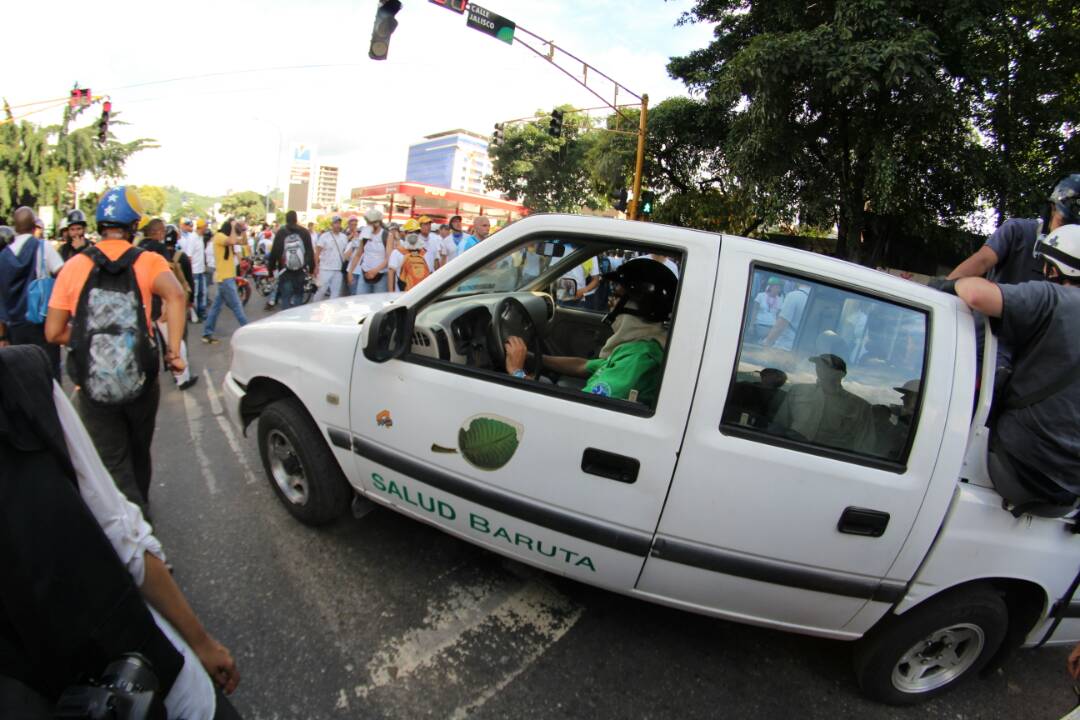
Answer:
[(826, 367)]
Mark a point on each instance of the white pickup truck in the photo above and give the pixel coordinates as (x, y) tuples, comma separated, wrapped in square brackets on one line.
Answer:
[(747, 490)]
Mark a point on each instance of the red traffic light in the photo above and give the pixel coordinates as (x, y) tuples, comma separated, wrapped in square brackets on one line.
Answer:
[(106, 107)]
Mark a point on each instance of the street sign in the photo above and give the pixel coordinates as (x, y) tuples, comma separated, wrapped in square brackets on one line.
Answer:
[(457, 6), (488, 22)]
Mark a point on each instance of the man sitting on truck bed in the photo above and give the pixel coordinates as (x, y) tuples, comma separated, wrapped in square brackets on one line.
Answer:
[(630, 363), (1037, 429)]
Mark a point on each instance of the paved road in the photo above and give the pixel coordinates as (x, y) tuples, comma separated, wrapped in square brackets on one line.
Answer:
[(384, 617)]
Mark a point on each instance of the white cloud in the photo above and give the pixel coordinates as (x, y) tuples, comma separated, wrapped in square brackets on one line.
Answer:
[(222, 131)]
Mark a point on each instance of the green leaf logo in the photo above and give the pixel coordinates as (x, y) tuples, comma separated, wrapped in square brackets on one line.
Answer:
[(488, 442)]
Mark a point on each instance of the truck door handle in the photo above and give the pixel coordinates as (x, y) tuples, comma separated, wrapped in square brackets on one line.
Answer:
[(861, 521), (610, 465)]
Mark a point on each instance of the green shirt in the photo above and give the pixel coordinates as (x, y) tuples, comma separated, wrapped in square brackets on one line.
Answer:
[(632, 366)]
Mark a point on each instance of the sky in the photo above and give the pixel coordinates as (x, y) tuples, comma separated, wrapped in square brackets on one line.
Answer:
[(221, 131)]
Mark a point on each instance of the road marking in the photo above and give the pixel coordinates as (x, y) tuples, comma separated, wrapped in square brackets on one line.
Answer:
[(227, 428), (195, 427), (476, 641)]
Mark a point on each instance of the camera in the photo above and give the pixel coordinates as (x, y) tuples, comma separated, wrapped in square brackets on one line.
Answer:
[(126, 690)]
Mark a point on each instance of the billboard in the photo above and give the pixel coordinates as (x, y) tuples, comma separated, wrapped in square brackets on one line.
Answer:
[(301, 162)]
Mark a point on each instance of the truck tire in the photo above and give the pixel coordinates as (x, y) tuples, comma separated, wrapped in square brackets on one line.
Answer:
[(299, 465), (930, 649)]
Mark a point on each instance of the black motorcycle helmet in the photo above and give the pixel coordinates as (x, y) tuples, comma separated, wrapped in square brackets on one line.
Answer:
[(76, 217), (7, 234), (648, 290), (1065, 198), (172, 234)]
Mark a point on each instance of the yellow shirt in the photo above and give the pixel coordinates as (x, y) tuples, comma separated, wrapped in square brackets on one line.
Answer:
[(224, 269)]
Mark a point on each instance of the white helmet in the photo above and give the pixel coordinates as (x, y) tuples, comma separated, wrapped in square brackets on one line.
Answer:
[(373, 215), (1062, 249)]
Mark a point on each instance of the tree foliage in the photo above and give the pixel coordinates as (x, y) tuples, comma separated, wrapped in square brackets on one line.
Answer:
[(545, 173), (915, 113), (247, 205), (39, 164)]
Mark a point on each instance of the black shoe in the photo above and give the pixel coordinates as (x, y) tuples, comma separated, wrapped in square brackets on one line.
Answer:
[(210, 340), (190, 381)]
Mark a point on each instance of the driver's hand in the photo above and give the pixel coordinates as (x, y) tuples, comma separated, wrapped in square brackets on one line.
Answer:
[(516, 352)]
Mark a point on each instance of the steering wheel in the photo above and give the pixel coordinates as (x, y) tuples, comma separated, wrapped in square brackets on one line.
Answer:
[(511, 318)]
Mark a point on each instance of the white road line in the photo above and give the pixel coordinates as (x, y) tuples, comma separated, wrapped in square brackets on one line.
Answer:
[(227, 428), (211, 393), (533, 615), (195, 427), (550, 615)]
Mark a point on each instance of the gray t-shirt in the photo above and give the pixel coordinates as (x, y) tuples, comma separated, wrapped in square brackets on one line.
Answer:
[(1014, 242), (1041, 321)]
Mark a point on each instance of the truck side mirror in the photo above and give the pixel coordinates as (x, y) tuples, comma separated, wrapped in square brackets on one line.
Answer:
[(388, 334), (565, 289)]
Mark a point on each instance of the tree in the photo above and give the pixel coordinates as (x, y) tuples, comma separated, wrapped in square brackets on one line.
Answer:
[(251, 206), (842, 110), (545, 173), (39, 165), (153, 199)]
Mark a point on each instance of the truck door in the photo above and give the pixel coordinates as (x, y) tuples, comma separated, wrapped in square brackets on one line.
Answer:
[(536, 469), (810, 444)]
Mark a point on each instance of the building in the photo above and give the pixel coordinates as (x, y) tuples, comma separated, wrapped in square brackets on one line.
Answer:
[(402, 200), (324, 194), (299, 194), (455, 159)]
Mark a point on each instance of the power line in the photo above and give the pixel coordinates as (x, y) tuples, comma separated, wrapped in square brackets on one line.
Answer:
[(226, 73)]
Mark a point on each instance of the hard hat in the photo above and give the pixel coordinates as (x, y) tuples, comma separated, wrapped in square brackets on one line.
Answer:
[(1062, 249), (411, 225), (76, 217), (63, 224), (120, 207), (648, 290), (172, 234), (373, 215), (1065, 198), (424, 219)]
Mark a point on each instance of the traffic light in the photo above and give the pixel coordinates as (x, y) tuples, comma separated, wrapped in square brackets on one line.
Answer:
[(648, 198), (555, 127), (385, 24), (103, 124), (497, 138), (620, 199), (80, 97)]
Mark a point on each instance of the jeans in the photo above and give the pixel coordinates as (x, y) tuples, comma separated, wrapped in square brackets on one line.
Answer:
[(200, 294), (330, 282), (122, 435), (290, 289), (363, 286), (226, 295)]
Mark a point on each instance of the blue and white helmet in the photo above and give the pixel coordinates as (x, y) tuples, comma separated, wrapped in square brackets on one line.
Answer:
[(121, 208)]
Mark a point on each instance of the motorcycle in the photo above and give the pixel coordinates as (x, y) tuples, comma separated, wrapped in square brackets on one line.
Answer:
[(260, 274)]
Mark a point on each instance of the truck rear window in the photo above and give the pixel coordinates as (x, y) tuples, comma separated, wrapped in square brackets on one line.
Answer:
[(828, 367)]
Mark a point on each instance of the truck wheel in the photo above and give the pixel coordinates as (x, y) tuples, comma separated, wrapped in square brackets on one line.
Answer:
[(930, 649), (299, 464)]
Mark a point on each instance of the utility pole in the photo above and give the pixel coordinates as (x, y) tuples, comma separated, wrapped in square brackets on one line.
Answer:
[(639, 162)]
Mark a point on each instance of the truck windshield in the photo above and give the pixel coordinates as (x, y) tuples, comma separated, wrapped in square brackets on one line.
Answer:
[(521, 268)]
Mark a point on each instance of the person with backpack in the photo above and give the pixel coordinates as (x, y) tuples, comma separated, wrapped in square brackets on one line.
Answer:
[(408, 263), (291, 253), (368, 263), (224, 244), (163, 239), (27, 267), (101, 309)]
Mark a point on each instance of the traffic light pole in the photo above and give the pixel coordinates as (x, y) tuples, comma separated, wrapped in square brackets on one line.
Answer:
[(639, 162), (586, 69)]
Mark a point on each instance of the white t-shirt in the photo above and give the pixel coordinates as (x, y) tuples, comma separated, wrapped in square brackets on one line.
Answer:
[(331, 249), (374, 249), (208, 254), (792, 312), (578, 275), (434, 249), (53, 261), (192, 246)]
